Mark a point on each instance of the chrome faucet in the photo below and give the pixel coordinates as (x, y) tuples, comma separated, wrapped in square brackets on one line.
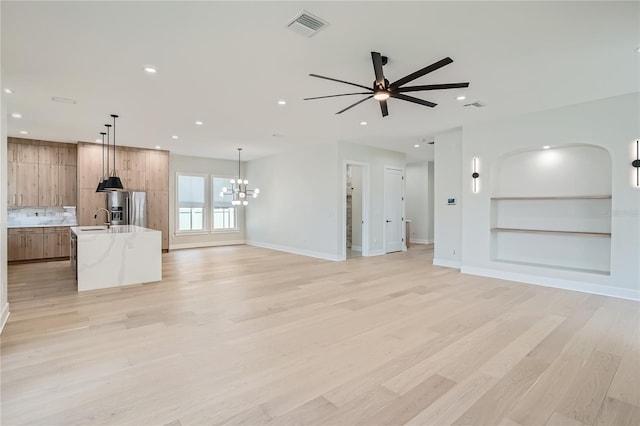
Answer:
[(95, 216)]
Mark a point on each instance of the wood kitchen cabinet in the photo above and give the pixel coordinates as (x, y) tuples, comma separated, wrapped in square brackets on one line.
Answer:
[(41, 173), (25, 243), (89, 201), (157, 170), (48, 189), (90, 164), (22, 187), (130, 163), (56, 242), (158, 214)]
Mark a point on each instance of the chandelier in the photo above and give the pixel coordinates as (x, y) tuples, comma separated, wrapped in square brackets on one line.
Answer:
[(239, 190)]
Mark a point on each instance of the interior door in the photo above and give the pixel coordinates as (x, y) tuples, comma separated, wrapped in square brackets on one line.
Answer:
[(393, 208)]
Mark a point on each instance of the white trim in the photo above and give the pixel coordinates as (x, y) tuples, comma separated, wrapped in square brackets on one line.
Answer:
[(205, 244), (379, 252), (294, 250), (581, 286), (420, 241), (447, 263), (4, 317), (366, 194)]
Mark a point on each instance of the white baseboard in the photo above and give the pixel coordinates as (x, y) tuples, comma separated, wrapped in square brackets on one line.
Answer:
[(376, 252), (420, 241), (581, 286), (205, 244), (295, 250), (4, 316), (447, 263)]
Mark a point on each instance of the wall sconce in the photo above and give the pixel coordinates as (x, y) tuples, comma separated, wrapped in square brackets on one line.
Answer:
[(636, 163), (475, 175)]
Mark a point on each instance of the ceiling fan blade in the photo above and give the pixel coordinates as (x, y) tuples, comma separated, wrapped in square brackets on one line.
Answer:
[(340, 81), (432, 87), (426, 70), (352, 105), (377, 68), (383, 108), (333, 96), (412, 99)]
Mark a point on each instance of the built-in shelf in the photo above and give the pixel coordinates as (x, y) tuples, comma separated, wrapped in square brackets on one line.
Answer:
[(544, 231), (560, 268), (568, 197)]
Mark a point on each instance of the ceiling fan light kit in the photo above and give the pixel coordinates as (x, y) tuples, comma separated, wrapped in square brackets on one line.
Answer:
[(382, 90)]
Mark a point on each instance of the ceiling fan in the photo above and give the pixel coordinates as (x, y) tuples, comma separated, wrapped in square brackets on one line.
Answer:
[(383, 90)]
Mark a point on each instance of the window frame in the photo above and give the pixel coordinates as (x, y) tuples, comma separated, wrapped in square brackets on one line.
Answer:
[(205, 206), (212, 203)]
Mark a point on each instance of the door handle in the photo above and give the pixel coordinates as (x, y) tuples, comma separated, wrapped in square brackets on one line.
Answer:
[(388, 221)]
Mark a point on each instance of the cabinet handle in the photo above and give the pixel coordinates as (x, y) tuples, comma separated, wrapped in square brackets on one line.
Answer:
[(20, 199)]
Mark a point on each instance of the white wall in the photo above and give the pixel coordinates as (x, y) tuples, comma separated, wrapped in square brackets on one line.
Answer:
[(298, 207), (218, 168), (4, 303), (418, 205), (377, 159), (301, 206), (448, 175), (610, 123)]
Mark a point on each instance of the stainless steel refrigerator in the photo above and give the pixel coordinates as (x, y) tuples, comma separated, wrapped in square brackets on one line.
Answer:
[(127, 208)]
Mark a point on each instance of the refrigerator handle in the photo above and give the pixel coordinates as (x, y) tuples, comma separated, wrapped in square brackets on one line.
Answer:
[(129, 207)]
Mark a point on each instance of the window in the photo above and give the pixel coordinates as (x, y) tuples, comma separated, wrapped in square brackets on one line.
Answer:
[(191, 203), (224, 214)]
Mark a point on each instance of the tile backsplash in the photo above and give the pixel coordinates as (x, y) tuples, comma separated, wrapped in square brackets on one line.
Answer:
[(41, 216)]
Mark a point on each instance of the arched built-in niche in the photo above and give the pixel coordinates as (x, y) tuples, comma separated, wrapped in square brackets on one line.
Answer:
[(552, 208)]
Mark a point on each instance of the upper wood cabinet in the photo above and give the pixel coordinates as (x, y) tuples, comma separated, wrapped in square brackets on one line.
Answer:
[(40, 173), (90, 165), (22, 152), (157, 170)]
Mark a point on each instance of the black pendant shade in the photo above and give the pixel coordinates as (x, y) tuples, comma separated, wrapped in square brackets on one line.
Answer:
[(113, 183)]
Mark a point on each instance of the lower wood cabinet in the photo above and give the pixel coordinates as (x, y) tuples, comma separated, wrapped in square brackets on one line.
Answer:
[(56, 242), (37, 243)]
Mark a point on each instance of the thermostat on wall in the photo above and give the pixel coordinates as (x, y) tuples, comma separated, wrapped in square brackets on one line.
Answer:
[(451, 201)]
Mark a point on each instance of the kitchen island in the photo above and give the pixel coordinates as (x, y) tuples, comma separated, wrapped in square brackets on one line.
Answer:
[(115, 256)]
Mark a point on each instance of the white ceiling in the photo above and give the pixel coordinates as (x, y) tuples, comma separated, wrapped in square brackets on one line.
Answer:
[(228, 63)]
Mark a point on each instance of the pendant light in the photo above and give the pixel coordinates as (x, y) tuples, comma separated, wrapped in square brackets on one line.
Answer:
[(103, 179), (239, 190), (114, 183)]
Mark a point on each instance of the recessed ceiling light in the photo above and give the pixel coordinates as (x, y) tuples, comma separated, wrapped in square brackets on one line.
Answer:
[(16, 115), (363, 123), (199, 123), (150, 69), (157, 146), (546, 147), (7, 90), (416, 146), (461, 98), (174, 137), (282, 102), (24, 132)]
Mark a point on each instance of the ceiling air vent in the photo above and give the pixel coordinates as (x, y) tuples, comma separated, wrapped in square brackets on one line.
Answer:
[(475, 104), (306, 24)]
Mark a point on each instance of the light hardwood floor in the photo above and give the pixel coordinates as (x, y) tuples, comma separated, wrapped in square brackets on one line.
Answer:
[(244, 335)]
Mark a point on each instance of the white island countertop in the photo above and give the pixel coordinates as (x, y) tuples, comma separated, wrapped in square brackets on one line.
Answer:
[(117, 255)]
